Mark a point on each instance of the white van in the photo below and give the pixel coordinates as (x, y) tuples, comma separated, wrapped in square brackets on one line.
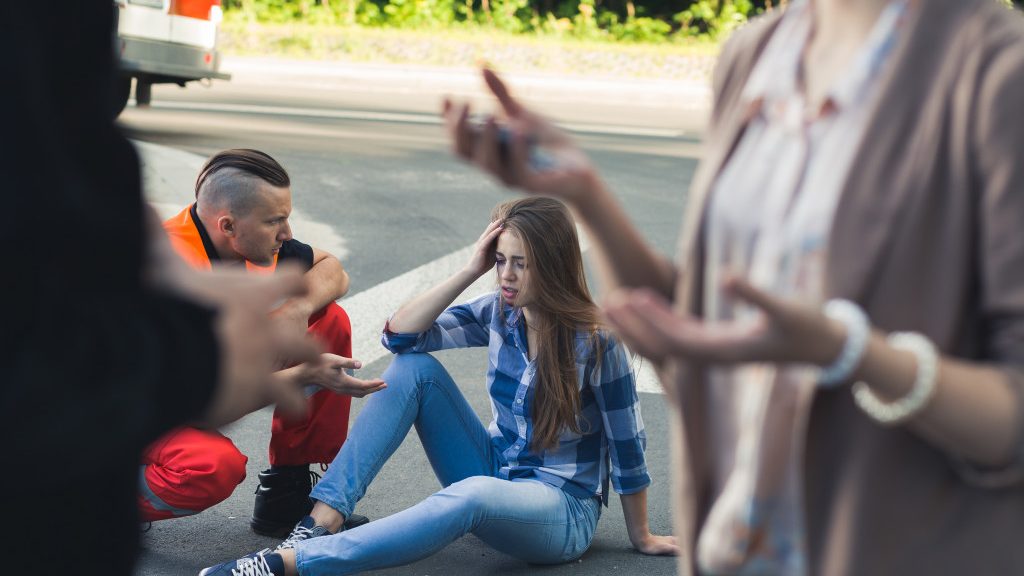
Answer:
[(165, 41)]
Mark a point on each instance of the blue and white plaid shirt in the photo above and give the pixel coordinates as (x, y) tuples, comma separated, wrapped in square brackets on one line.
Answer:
[(610, 418)]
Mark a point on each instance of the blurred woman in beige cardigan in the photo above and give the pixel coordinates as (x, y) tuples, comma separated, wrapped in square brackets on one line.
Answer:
[(842, 335)]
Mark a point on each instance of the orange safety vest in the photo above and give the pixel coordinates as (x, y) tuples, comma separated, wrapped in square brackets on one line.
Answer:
[(191, 241)]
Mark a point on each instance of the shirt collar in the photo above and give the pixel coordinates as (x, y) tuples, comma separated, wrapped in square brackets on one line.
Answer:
[(777, 70), (211, 250), (872, 56), (776, 77)]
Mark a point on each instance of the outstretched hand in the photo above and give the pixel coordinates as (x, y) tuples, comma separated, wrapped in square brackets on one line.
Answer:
[(330, 373), (568, 174), (783, 331)]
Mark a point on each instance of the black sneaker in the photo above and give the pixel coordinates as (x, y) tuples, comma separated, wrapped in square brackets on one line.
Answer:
[(282, 500), (354, 520)]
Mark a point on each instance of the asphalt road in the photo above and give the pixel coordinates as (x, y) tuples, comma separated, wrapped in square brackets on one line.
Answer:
[(369, 162)]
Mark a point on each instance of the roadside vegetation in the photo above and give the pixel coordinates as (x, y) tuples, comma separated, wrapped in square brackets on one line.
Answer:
[(670, 39), (469, 48), (655, 38), (638, 21)]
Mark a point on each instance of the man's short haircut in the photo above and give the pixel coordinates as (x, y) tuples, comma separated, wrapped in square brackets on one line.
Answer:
[(229, 177)]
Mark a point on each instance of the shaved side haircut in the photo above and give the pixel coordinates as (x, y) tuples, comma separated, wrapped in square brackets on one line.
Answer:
[(230, 179)]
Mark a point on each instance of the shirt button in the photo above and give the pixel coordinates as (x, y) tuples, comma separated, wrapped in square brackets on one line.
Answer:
[(519, 400)]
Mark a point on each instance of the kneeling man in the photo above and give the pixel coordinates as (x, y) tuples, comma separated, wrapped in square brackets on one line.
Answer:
[(240, 218)]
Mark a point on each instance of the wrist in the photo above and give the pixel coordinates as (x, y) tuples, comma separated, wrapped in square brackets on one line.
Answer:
[(638, 534), (641, 539), (830, 343), (300, 374), (468, 275), (591, 196), (841, 345), (296, 308)]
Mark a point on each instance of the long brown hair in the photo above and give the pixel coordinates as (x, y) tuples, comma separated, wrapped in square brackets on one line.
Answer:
[(560, 303)]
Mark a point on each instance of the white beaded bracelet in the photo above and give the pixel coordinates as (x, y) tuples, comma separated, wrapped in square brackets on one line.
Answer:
[(858, 330), (892, 413)]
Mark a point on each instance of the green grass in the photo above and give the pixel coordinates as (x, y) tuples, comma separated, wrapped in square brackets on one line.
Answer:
[(467, 47)]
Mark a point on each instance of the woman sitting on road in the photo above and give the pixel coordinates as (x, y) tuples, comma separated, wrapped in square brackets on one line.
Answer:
[(564, 400)]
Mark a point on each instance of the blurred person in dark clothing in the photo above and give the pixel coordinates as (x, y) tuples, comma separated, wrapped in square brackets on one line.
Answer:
[(109, 340)]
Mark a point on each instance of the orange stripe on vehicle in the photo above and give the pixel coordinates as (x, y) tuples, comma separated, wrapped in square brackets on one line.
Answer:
[(193, 8)]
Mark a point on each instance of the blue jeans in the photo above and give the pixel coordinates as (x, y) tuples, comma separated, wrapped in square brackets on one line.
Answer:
[(527, 519)]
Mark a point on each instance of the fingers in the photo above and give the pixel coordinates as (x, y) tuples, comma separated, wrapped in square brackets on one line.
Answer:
[(490, 146), (665, 546), (463, 136), (634, 328), (651, 328), (492, 231), (486, 150), (483, 258), (341, 362), (492, 234), (746, 291), (509, 104), (517, 165), (359, 388), (334, 377), (725, 342)]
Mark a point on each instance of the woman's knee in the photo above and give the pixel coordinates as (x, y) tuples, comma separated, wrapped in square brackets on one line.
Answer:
[(413, 369)]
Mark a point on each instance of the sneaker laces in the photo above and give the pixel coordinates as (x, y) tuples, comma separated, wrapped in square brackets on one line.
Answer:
[(299, 533), (252, 566)]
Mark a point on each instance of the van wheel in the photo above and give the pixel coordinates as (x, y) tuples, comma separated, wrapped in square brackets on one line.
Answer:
[(143, 93)]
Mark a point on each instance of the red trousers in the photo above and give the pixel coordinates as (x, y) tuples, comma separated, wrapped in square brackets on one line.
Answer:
[(188, 470)]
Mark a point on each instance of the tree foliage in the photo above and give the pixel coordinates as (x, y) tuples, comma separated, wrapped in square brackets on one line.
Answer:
[(648, 21)]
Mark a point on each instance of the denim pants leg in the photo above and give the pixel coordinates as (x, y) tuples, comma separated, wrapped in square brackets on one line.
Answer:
[(528, 519)]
